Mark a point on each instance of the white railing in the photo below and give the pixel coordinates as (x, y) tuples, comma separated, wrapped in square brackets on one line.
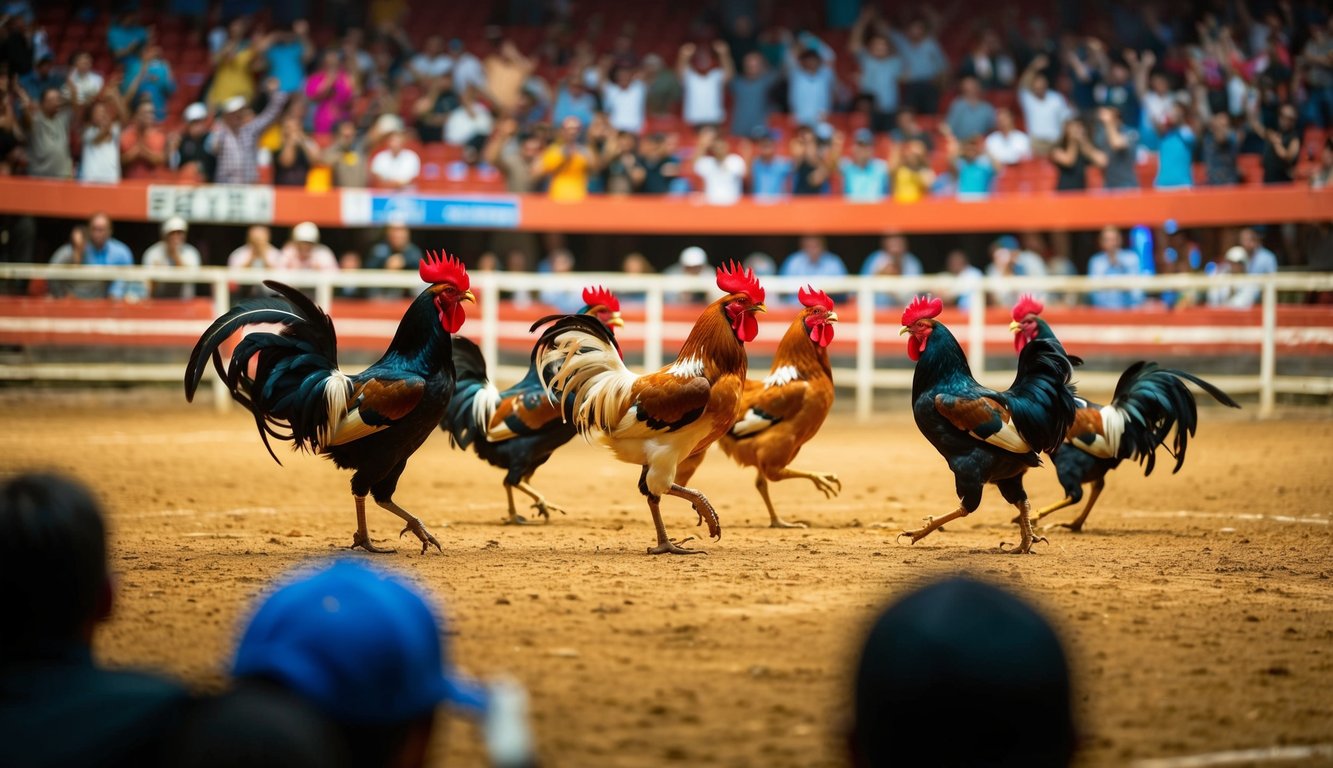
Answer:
[(865, 378)]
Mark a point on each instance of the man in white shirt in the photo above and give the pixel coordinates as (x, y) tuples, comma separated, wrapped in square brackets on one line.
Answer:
[(172, 251), (723, 173), (84, 84), (431, 62), (1044, 110), (1006, 144), (470, 123), (468, 72), (703, 84), (101, 144), (623, 100), (305, 253), (396, 166)]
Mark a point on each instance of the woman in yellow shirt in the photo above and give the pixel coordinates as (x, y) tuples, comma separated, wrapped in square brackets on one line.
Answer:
[(911, 172), (567, 163), (233, 67)]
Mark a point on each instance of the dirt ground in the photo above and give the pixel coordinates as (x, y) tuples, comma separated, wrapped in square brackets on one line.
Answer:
[(1198, 607)]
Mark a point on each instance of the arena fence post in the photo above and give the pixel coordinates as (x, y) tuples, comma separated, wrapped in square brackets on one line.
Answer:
[(976, 330), (865, 351), (221, 304), (652, 327), (490, 320), (324, 292), (1268, 351)]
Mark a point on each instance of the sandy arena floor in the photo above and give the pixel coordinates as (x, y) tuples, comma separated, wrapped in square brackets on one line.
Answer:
[(1198, 607)]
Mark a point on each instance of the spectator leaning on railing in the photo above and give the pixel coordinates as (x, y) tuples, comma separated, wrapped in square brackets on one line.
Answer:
[(305, 253), (1112, 260), (396, 252), (172, 251), (97, 249)]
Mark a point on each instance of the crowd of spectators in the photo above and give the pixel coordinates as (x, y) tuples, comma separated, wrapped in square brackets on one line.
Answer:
[(744, 107)]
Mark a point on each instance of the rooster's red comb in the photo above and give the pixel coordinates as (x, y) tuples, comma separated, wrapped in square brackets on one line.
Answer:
[(733, 278), (1027, 306), (596, 295), (440, 267), (811, 298), (922, 307)]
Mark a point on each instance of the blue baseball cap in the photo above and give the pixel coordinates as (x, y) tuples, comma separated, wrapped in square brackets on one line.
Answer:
[(359, 644)]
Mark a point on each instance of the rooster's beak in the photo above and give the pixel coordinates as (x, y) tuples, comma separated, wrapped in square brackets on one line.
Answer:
[(831, 317), (759, 308), (904, 331), (616, 320), (467, 296), (1014, 327)]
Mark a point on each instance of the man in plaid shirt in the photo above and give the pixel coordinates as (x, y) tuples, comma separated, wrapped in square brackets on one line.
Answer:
[(235, 139)]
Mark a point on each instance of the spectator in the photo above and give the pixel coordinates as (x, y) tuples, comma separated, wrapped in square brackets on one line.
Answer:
[(566, 163), (99, 249), (770, 174), (1282, 146), (1117, 143), (1085, 64), (970, 115), (126, 37), (236, 136), (48, 127), (813, 259), (661, 168), (356, 60), (906, 128), (172, 251), (1321, 177), (623, 99), (101, 142), (1044, 111), (703, 83), (395, 252), (761, 264), (1220, 150), (295, 155), (468, 71), (1007, 145), (911, 172), (233, 66), (348, 158), (1004, 263), (143, 144), (810, 80), (989, 64), (1317, 56), (882, 69), (574, 100), (1258, 259), (314, 636), (396, 166), (305, 253), (1228, 295), (288, 55), (751, 96), (865, 178), (1175, 153), (1036, 258), (664, 89), (148, 75), (960, 639), (925, 64), (892, 260), (430, 62), (624, 170), (1117, 91), (84, 84), (469, 126), (191, 150), (722, 171), (564, 299), (693, 261), (1072, 155), (54, 573), (331, 91), (1153, 90), (974, 170), (257, 253), (1110, 261), (966, 277), (815, 155), (433, 108), (513, 153), (42, 77)]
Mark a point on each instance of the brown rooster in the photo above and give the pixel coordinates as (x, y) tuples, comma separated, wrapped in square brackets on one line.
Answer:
[(658, 419), (783, 411)]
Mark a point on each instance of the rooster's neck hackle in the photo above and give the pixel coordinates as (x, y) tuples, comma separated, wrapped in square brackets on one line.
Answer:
[(714, 342), (421, 340), (941, 360), (796, 349)]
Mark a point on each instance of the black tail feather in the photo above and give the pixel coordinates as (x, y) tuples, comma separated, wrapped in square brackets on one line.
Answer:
[(470, 369), (1155, 400), (1041, 398)]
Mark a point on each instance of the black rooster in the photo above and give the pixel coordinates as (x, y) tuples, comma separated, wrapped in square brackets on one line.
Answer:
[(371, 422), (518, 429), (986, 436), (1149, 400)]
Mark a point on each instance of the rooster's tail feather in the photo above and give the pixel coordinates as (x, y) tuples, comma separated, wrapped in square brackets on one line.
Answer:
[(578, 364), (1041, 398), (1149, 401), (475, 399)]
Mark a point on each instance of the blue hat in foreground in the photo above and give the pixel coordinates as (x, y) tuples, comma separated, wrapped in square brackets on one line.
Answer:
[(359, 644)]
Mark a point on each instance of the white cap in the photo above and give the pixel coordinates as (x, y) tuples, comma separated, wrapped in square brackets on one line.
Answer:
[(305, 232), (174, 224), (196, 111), (1237, 253), (234, 104), (389, 123), (693, 256)]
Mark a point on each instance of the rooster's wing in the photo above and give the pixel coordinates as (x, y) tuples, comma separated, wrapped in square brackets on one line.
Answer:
[(983, 417), (769, 406), (376, 404)]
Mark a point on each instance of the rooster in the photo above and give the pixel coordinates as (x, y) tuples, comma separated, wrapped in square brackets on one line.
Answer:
[(781, 413), (1148, 401), (658, 419), (518, 429), (371, 422), (986, 436)]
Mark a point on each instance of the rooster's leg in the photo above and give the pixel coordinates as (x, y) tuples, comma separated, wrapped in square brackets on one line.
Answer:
[(761, 485), (827, 482), (666, 546), (1077, 525), (1024, 530), (1056, 507), (702, 507), (514, 517), (543, 507), (414, 525), (933, 523), (362, 538)]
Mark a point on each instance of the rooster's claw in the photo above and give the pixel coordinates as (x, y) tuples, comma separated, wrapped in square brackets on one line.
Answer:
[(427, 540), (361, 540)]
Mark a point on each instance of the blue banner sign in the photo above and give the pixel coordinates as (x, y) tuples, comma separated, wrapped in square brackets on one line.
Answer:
[(360, 207)]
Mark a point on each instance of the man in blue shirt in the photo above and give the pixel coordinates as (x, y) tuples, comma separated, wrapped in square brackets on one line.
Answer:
[(813, 260), (288, 54), (970, 115), (126, 37), (881, 66), (148, 74), (42, 77), (750, 95), (1114, 259), (810, 80), (1175, 152), (924, 62), (770, 175), (101, 250), (865, 178)]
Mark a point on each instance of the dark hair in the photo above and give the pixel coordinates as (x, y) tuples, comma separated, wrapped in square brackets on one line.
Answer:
[(53, 569), (259, 725), (962, 643)]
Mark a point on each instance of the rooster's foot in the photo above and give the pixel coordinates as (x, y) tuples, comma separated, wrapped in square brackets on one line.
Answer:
[(1074, 527), (419, 529), (1023, 547), (361, 540), (778, 522), (826, 482), (545, 509), (674, 548), (516, 520)]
